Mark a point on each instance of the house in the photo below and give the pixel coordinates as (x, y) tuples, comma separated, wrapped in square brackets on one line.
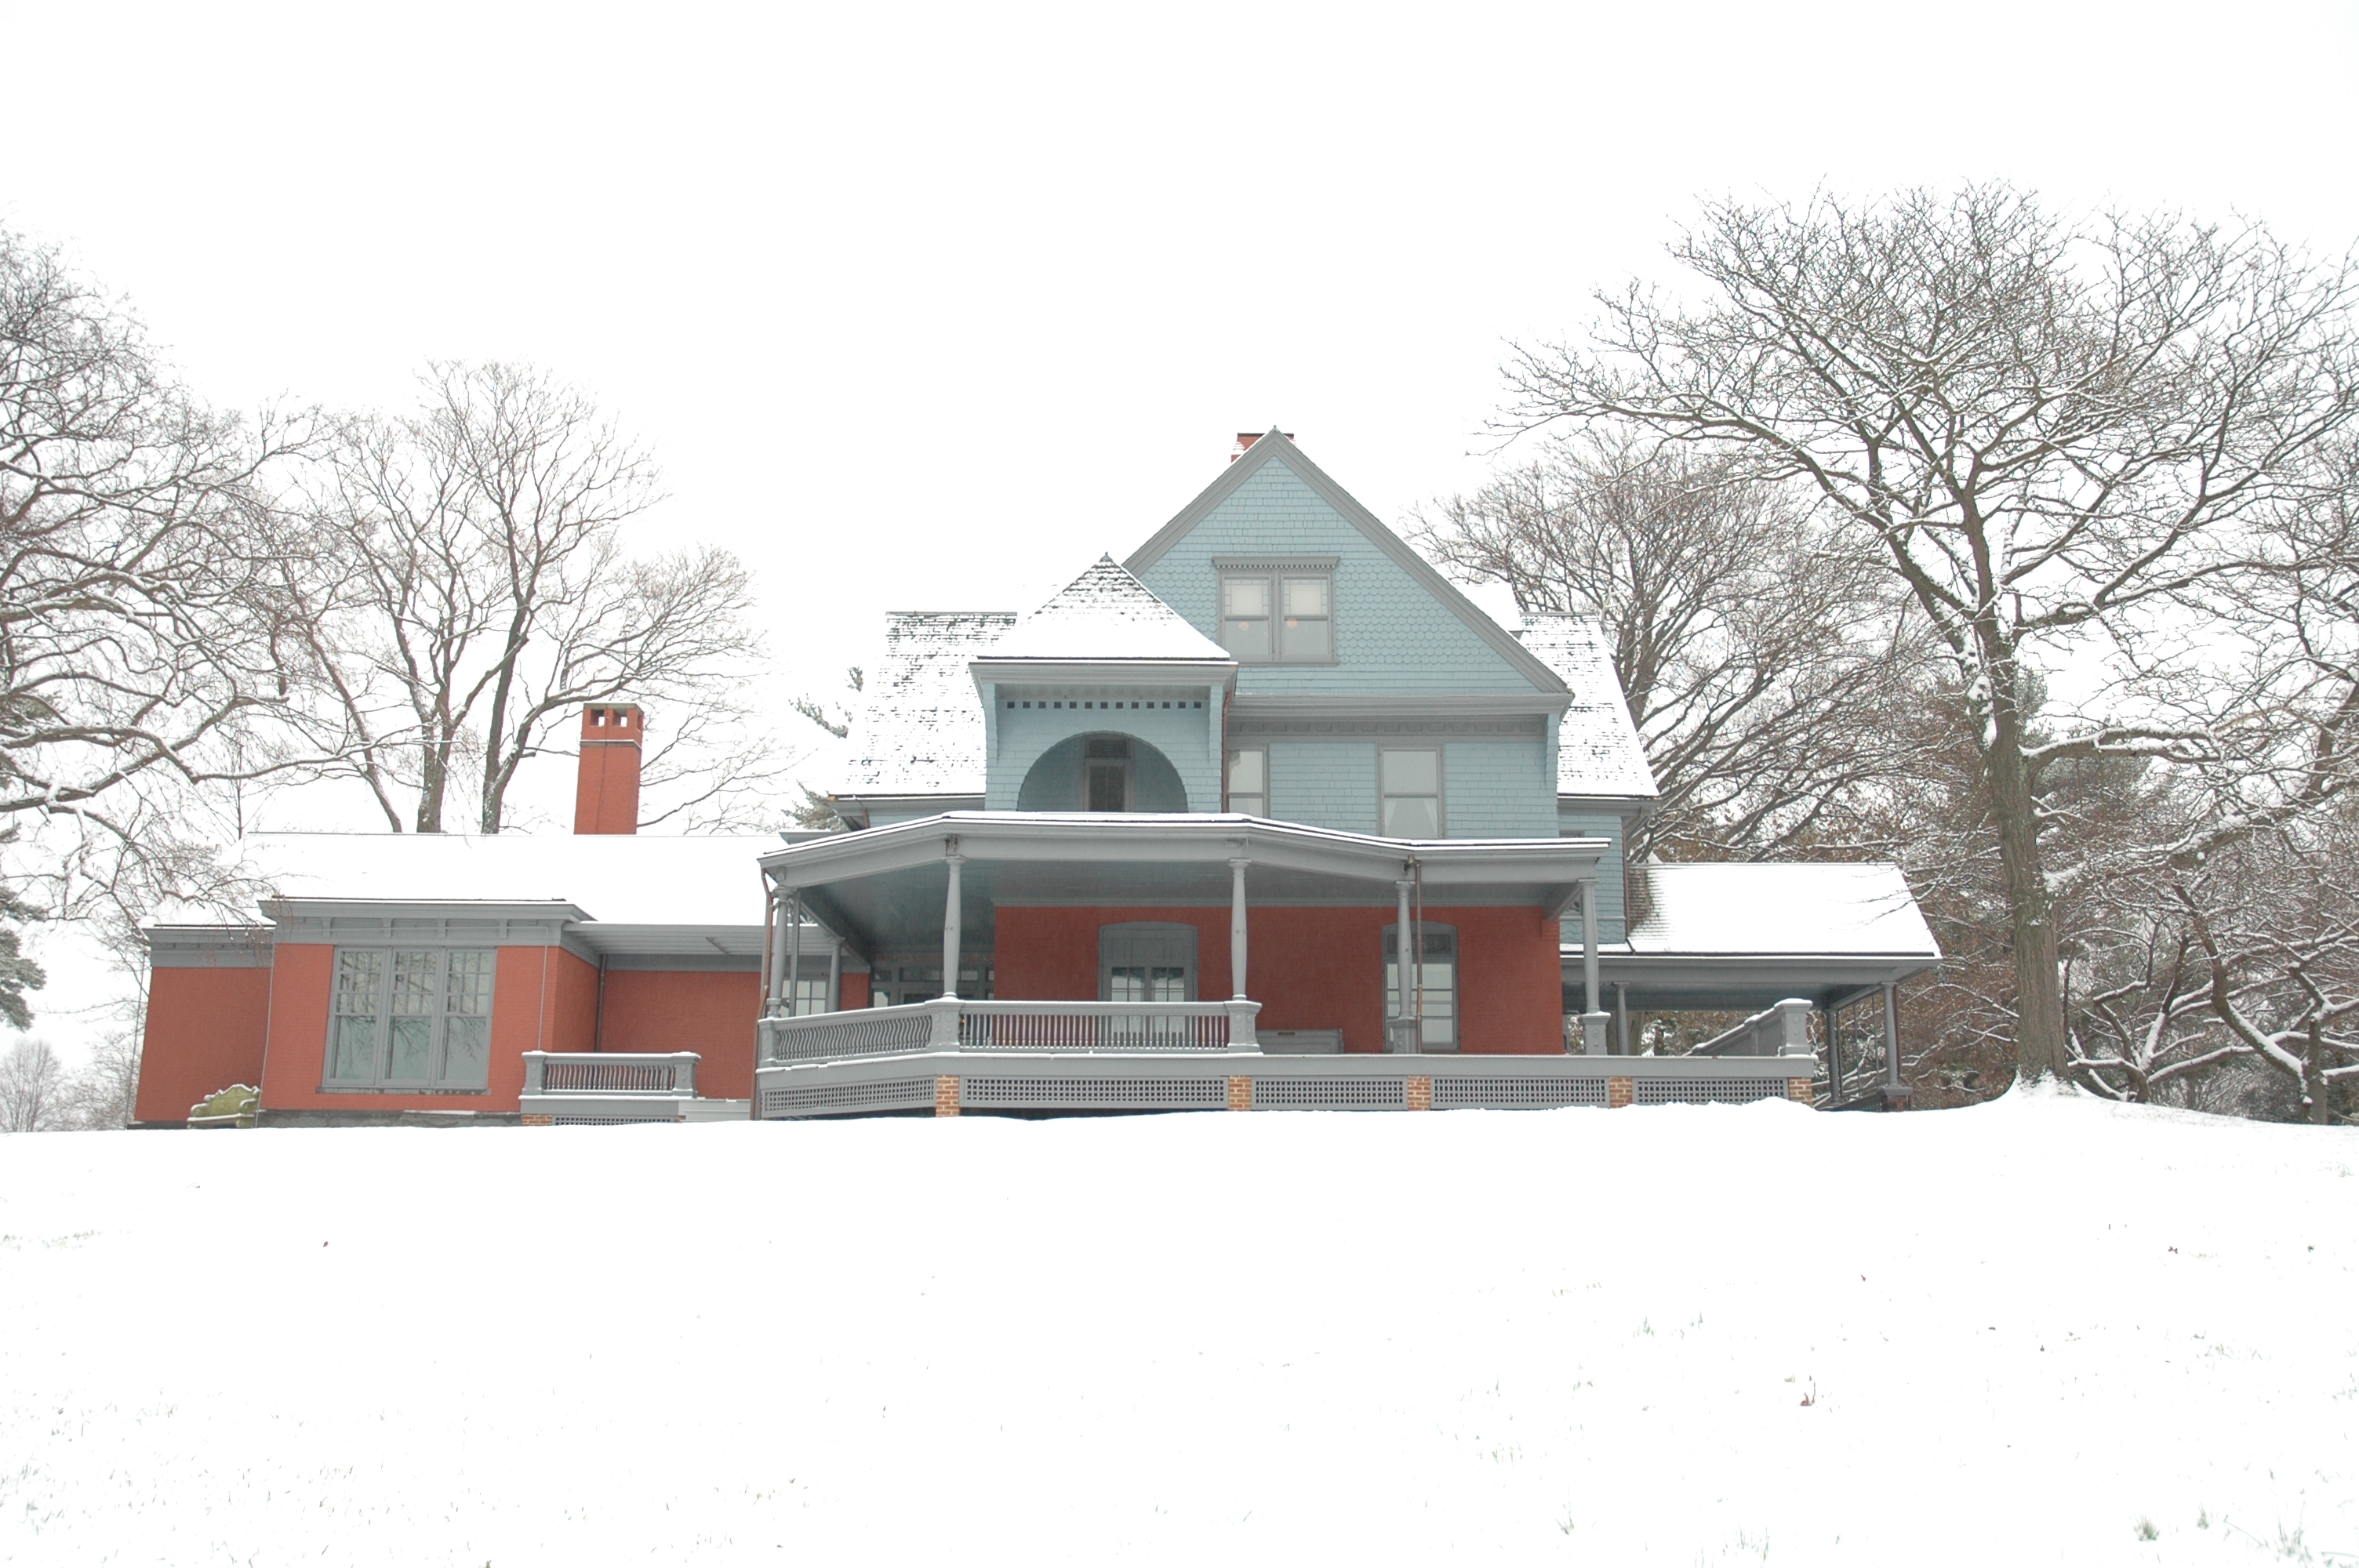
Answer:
[(1266, 814)]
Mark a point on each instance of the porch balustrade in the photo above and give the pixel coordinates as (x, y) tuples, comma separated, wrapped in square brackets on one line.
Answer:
[(610, 1073), (950, 1022)]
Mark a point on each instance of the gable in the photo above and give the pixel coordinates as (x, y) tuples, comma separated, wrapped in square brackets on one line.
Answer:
[(1400, 626)]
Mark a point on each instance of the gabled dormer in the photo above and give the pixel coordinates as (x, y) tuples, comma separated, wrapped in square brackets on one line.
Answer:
[(1102, 700)]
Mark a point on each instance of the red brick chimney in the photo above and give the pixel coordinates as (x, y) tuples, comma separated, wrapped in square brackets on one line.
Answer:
[(1246, 439), (606, 797)]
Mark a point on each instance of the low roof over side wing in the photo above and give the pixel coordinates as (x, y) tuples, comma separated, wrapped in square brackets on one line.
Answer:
[(611, 879), (1837, 908)]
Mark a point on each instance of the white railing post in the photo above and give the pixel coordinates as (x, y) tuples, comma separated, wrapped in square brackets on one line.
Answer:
[(1793, 1027), (683, 1082), (536, 1069), (944, 1013), (1242, 1017), (1592, 1033)]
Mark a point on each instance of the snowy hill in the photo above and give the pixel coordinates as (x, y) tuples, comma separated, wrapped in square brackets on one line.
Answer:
[(2034, 1332)]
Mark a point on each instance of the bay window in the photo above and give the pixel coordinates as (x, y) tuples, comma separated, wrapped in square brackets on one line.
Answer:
[(411, 1018)]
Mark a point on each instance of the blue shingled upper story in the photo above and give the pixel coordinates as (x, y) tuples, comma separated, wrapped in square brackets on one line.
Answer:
[(1391, 633), (1092, 663)]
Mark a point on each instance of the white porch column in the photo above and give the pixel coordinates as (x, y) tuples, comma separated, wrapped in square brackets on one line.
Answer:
[(1589, 943), (794, 928), (951, 925), (1892, 1039), (1622, 1020), (1405, 956), (1593, 1018), (777, 951), (835, 979), (1237, 927)]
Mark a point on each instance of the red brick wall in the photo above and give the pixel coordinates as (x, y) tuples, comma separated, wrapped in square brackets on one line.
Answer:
[(205, 1030), (1314, 968), (713, 1014), (856, 991)]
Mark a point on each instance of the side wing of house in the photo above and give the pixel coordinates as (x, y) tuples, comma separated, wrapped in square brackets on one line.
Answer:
[(1371, 695)]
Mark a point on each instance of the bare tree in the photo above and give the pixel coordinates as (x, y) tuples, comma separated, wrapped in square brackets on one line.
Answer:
[(486, 595), (1760, 651), (144, 632), (33, 1089), (2063, 439), (104, 1095)]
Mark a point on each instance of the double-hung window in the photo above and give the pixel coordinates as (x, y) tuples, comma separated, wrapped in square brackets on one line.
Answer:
[(1249, 781), (1278, 614), (1409, 780), (411, 1018), (1432, 984)]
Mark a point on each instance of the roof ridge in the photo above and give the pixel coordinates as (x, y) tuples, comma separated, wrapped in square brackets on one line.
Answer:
[(1106, 612)]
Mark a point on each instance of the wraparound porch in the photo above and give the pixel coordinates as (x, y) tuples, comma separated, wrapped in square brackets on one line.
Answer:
[(1063, 920)]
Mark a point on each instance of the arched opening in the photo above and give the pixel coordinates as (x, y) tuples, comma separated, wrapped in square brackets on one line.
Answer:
[(1104, 772)]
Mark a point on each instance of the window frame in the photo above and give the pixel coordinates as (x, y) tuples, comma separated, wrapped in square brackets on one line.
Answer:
[(1125, 764), (1274, 572), (437, 1080), (1440, 786), (1228, 764), (1388, 942)]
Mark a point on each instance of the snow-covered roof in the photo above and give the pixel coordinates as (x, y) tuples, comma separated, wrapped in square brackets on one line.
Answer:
[(1598, 751), (618, 879), (1106, 614), (1741, 907), (920, 731)]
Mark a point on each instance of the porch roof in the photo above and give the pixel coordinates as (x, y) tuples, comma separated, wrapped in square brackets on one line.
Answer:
[(884, 888), (1744, 935)]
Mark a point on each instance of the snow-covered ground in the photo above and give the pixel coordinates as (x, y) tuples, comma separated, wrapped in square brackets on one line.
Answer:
[(2029, 1333)]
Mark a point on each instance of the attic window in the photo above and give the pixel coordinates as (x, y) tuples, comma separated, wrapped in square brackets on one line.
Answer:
[(1279, 615)]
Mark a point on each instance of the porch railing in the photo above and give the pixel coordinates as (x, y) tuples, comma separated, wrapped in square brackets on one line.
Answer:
[(610, 1073), (950, 1021), (1783, 1029)]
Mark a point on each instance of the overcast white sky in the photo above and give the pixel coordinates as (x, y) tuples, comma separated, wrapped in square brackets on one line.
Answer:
[(924, 308)]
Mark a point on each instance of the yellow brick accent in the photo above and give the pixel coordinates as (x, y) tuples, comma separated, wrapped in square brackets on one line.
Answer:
[(1618, 1093), (1799, 1090), (1420, 1093), (1240, 1093), (529, 1119), (946, 1095)]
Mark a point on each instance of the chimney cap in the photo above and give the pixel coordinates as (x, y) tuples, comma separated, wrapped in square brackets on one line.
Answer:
[(1246, 439)]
